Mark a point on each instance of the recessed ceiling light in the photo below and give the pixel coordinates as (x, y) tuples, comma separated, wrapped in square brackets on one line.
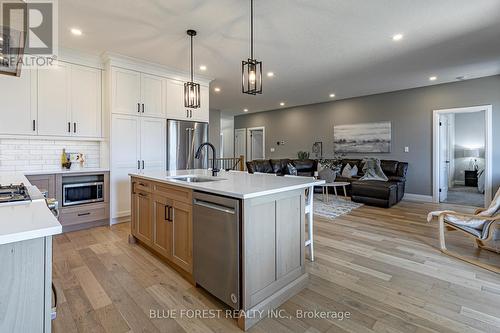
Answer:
[(217, 89), (282, 104), (332, 95), (245, 110), (397, 37), (433, 78), (270, 74), (1, 39), (203, 68), (76, 32)]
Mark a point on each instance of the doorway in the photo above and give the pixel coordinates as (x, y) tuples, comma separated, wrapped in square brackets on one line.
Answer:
[(462, 156), (256, 139), (240, 142)]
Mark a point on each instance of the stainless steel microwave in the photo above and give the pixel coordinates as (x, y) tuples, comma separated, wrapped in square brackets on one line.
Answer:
[(82, 193)]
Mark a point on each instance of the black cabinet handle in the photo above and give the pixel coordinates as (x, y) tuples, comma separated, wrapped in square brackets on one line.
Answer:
[(143, 195), (83, 214), (190, 113), (69, 127), (171, 213), (142, 107), (139, 107), (138, 164), (34, 125), (166, 214), (74, 127), (142, 164)]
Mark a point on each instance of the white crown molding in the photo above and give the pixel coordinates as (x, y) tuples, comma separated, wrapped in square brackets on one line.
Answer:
[(80, 58), (118, 60)]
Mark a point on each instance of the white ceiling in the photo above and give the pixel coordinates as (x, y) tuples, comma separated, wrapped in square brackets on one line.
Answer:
[(315, 47)]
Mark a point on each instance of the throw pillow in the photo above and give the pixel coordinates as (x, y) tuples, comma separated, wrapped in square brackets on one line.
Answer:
[(327, 175), (354, 171), (372, 170), (291, 169), (347, 172)]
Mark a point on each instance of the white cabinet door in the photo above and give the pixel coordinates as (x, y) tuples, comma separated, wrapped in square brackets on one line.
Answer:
[(152, 96), (54, 100), (85, 101), (175, 101), (18, 111), (125, 156), (153, 144), (126, 91), (202, 113)]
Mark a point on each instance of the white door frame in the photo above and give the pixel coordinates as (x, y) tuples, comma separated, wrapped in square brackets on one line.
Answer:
[(249, 140), (244, 132), (488, 149)]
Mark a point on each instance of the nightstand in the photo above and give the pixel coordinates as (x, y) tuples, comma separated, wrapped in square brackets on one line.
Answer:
[(471, 178)]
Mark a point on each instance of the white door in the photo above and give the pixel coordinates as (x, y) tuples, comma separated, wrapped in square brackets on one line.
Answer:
[(240, 142), (125, 157), (256, 144), (202, 114), (18, 109), (444, 154), (54, 104), (126, 91), (153, 144), (152, 95), (175, 101), (86, 101)]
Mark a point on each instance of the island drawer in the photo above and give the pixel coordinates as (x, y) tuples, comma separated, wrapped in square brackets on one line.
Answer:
[(141, 185), (80, 215), (174, 192)]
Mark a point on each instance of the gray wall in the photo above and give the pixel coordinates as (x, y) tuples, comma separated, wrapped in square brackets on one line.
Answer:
[(214, 129), (469, 133), (409, 110)]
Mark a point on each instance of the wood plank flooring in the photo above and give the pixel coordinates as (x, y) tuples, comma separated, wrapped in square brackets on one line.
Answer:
[(380, 265)]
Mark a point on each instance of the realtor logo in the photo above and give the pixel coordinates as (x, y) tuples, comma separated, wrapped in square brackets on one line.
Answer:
[(29, 32)]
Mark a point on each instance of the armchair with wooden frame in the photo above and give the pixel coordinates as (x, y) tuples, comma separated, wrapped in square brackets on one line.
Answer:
[(481, 226)]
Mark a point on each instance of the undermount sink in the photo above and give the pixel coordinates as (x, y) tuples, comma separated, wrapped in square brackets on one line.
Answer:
[(195, 179)]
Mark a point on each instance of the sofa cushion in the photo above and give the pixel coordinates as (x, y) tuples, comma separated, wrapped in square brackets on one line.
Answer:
[(374, 189), (390, 168), (304, 166), (280, 166), (263, 166)]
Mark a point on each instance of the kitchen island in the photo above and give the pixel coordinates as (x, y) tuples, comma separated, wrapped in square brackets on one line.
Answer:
[(239, 236)]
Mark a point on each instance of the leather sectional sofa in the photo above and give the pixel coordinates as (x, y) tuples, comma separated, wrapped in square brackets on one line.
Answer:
[(372, 192)]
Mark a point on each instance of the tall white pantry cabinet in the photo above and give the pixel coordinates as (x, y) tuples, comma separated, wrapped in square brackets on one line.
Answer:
[(141, 98)]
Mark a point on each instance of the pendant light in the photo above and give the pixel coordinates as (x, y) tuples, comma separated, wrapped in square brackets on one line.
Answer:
[(191, 89), (251, 69)]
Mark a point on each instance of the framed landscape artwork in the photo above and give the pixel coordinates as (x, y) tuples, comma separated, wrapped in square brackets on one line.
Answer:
[(363, 138)]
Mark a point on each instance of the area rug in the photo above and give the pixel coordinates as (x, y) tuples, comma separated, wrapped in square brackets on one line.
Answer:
[(335, 207)]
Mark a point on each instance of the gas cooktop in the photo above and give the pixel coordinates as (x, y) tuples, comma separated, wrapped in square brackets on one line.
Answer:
[(14, 193)]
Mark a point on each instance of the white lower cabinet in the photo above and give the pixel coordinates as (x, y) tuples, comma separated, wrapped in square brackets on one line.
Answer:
[(137, 144)]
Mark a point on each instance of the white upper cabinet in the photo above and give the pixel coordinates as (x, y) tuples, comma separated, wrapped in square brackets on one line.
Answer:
[(69, 101), (54, 117), (136, 93), (175, 103), (86, 103), (126, 91), (18, 111), (152, 96)]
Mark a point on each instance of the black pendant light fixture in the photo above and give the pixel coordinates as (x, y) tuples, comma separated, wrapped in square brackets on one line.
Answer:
[(251, 69), (191, 89)]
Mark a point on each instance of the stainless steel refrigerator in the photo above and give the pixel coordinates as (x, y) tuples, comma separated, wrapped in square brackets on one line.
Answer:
[(183, 139)]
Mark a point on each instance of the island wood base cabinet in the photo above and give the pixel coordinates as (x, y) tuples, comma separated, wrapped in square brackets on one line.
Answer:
[(162, 220), (272, 235)]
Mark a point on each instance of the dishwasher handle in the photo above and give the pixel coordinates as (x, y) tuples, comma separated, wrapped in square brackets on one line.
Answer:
[(211, 205)]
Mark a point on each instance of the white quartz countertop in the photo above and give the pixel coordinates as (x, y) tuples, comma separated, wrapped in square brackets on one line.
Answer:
[(65, 171), (25, 220), (241, 185)]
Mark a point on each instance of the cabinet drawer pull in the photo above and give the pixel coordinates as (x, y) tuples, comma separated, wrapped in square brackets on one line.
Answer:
[(83, 214), (142, 184), (142, 107), (138, 165), (74, 127), (167, 213), (69, 127), (142, 164), (143, 195), (34, 125), (139, 107), (170, 214)]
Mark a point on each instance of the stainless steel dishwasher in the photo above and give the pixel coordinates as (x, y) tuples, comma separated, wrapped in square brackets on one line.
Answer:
[(216, 246)]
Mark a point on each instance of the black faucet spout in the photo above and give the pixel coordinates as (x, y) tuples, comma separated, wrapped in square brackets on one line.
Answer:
[(214, 155)]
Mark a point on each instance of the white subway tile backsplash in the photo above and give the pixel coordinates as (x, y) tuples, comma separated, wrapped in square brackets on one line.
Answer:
[(37, 154)]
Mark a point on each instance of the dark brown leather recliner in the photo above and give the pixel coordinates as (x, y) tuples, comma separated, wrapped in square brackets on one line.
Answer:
[(280, 167)]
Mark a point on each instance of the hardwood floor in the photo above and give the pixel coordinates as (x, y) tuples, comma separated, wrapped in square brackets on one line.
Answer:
[(380, 265)]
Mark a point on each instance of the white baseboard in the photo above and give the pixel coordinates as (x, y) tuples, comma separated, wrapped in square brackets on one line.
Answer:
[(417, 197), (121, 219)]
